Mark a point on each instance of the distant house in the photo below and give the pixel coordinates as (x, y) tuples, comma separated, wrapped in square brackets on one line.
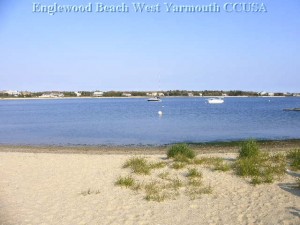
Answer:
[(54, 94), (200, 94), (12, 93), (224, 94), (161, 94), (98, 94), (78, 94), (190, 94), (271, 94), (126, 94), (263, 93)]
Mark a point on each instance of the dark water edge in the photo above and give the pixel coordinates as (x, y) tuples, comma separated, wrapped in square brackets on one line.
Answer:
[(233, 143)]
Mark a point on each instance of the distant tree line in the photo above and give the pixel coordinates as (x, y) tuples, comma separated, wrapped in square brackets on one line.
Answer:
[(143, 93)]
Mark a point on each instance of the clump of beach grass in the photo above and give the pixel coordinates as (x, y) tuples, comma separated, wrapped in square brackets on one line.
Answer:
[(215, 163), (154, 192), (157, 165), (140, 165), (249, 149), (181, 150), (127, 182), (195, 187), (294, 159), (193, 172), (196, 191), (175, 183), (258, 166), (178, 165), (164, 175)]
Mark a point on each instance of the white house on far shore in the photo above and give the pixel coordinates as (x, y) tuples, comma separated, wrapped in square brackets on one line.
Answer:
[(126, 94), (98, 94)]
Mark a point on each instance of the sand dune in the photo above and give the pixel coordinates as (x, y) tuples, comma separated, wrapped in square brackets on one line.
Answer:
[(45, 188)]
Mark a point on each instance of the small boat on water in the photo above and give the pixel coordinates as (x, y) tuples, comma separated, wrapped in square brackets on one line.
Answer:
[(292, 109), (154, 99), (215, 100)]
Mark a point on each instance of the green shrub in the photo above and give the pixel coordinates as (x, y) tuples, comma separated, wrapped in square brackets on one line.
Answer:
[(181, 149), (249, 149)]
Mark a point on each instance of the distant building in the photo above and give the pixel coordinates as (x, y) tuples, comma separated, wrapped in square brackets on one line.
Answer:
[(54, 94), (98, 94), (263, 93), (12, 93), (271, 94), (78, 94), (161, 94), (126, 94), (190, 94), (200, 94), (224, 94)]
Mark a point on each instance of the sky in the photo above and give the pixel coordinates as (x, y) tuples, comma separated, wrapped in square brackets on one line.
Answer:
[(251, 51)]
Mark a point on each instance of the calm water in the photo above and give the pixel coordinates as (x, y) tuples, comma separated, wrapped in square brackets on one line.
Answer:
[(136, 121)]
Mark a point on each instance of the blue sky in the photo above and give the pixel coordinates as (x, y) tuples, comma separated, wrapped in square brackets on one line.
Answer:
[(150, 51)]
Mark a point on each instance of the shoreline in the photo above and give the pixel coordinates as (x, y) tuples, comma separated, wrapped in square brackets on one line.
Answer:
[(200, 148)]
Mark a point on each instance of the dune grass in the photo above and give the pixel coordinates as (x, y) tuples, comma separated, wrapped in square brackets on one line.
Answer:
[(181, 175), (181, 150), (294, 159), (193, 172), (214, 163), (196, 191), (138, 165), (125, 181), (249, 149), (258, 166), (178, 165)]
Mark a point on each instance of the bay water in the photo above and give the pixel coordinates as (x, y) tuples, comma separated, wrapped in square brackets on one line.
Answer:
[(135, 121)]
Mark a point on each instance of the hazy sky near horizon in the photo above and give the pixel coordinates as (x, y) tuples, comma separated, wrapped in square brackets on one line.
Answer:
[(149, 51)]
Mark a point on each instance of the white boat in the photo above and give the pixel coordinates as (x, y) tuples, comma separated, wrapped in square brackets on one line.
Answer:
[(154, 99), (215, 100)]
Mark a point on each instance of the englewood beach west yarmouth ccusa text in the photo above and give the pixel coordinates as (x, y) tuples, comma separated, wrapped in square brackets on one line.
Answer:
[(141, 7)]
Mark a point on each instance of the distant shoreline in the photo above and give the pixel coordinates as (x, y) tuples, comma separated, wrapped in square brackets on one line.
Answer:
[(145, 97)]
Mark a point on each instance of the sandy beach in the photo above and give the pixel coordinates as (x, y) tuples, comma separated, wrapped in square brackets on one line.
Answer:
[(50, 188)]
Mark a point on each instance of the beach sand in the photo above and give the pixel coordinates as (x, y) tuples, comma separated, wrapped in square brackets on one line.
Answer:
[(49, 188)]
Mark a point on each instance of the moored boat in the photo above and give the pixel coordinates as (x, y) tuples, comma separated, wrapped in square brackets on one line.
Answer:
[(154, 99), (215, 100)]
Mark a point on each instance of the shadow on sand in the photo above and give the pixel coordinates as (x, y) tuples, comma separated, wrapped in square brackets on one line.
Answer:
[(295, 211)]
